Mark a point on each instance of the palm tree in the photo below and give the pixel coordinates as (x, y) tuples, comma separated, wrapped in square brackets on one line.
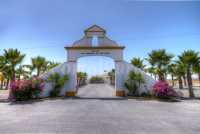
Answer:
[(2, 67), (196, 69), (40, 64), (171, 70), (189, 58), (29, 69), (179, 72), (13, 58), (137, 62), (111, 75), (51, 65), (81, 78), (151, 71), (160, 59), (6, 72), (20, 71)]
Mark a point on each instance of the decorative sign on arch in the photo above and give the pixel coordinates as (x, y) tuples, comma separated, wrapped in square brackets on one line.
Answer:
[(116, 53)]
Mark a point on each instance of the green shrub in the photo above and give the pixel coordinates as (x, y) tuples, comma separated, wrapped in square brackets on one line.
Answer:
[(58, 82), (146, 94), (81, 78), (96, 79), (134, 82)]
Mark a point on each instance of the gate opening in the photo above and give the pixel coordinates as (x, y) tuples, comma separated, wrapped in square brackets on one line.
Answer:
[(95, 77)]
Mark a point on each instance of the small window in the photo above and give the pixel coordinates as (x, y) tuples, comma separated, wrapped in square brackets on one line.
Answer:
[(94, 41)]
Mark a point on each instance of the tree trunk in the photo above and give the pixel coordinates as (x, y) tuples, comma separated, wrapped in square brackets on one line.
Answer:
[(180, 83), (199, 78), (184, 79), (189, 80), (161, 76), (7, 83), (155, 76), (19, 77), (12, 80), (38, 72), (1, 84), (172, 80), (13, 74)]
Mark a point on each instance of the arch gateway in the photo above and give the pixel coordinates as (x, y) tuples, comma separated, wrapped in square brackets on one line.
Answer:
[(104, 47)]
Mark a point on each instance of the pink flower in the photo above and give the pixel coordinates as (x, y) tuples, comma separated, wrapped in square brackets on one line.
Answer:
[(163, 90), (23, 88)]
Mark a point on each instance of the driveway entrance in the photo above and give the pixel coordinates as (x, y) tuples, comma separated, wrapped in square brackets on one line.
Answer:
[(96, 91)]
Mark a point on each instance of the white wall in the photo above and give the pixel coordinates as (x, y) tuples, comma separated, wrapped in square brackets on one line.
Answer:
[(122, 69), (68, 68)]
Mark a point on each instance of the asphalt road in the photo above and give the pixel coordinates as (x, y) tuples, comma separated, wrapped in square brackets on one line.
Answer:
[(100, 116)]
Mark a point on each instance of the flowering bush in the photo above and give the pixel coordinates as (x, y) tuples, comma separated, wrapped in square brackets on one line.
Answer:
[(161, 89), (26, 89)]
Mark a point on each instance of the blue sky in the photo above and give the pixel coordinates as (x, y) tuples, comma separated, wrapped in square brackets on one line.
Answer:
[(44, 27)]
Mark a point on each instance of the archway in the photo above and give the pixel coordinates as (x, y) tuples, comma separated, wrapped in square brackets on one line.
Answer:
[(95, 77), (104, 47)]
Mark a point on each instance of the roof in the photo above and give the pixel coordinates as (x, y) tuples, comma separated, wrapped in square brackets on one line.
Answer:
[(95, 28), (102, 40)]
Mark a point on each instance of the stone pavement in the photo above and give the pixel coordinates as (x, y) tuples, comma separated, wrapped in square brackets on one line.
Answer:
[(96, 91)]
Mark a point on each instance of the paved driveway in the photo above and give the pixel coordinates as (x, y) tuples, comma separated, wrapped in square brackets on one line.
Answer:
[(100, 116), (96, 91)]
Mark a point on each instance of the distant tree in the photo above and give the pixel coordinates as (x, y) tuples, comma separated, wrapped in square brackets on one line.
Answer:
[(179, 72), (29, 69), (137, 62), (171, 70), (13, 58), (40, 64), (81, 78), (111, 75), (2, 70), (196, 69), (160, 59), (152, 72), (21, 72), (51, 65)]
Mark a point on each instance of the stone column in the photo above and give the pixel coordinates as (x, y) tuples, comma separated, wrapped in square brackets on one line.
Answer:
[(72, 69), (119, 78)]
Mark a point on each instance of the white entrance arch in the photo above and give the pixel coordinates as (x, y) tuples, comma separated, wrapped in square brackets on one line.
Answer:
[(104, 47)]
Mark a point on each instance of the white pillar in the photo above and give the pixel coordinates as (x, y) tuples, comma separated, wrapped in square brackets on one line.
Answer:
[(71, 89), (119, 78)]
